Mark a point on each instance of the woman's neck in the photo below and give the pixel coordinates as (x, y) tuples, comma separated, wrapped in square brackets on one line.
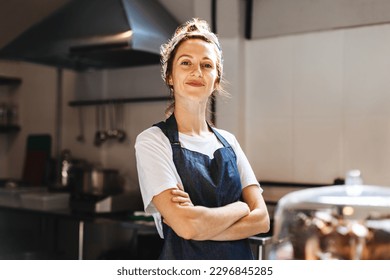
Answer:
[(191, 121)]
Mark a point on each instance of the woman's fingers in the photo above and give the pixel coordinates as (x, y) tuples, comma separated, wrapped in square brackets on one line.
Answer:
[(177, 192), (181, 197)]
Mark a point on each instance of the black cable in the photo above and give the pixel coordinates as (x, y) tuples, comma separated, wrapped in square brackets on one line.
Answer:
[(213, 105), (248, 19)]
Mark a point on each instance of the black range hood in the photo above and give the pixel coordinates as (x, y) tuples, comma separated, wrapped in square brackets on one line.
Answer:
[(96, 34)]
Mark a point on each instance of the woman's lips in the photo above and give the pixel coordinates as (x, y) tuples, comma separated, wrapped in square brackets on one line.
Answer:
[(195, 84)]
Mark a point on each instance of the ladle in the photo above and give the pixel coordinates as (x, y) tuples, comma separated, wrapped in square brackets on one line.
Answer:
[(101, 134)]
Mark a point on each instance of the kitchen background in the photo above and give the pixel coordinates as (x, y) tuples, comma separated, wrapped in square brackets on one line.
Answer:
[(308, 82), (309, 90)]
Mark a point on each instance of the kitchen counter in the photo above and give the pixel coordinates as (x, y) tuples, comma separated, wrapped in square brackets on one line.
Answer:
[(274, 191), (272, 194), (141, 226), (129, 226)]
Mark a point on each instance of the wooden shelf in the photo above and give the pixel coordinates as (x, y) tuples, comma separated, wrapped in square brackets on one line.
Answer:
[(9, 128), (10, 81), (117, 101)]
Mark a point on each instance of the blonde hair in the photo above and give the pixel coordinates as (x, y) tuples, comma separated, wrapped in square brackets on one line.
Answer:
[(193, 29)]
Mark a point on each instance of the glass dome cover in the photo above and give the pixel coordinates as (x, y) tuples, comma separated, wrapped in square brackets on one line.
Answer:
[(333, 222)]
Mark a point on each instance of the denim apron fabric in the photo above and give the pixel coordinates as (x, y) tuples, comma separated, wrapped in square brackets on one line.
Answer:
[(210, 183)]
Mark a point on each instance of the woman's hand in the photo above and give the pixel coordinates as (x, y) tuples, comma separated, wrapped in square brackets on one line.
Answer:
[(181, 197), (256, 222)]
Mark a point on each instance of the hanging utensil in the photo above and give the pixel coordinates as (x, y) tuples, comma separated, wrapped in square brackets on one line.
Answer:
[(103, 131), (120, 123), (80, 137), (100, 134), (112, 131), (96, 139)]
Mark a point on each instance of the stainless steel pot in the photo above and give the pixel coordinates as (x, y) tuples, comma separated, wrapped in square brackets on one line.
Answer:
[(333, 222), (95, 181)]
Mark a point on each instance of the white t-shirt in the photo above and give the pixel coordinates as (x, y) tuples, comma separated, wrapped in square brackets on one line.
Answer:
[(157, 171)]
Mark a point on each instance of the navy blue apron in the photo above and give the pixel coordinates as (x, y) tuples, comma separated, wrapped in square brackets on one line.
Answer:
[(210, 183)]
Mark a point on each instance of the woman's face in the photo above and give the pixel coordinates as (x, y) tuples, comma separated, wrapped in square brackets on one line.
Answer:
[(194, 70)]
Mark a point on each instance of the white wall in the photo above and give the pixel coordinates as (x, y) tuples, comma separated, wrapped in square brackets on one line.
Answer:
[(317, 105), (283, 17)]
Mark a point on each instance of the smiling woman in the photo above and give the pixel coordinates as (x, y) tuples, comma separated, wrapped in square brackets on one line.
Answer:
[(183, 33), (195, 179), (194, 73)]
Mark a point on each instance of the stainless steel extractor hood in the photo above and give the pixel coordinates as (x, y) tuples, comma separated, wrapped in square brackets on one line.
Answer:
[(96, 34)]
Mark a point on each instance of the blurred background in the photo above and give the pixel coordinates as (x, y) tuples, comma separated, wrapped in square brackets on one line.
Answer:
[(308, 82)]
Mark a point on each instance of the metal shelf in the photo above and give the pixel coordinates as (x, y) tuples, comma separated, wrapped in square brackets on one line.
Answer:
[(10, 81), (117, 101), (9, 128)]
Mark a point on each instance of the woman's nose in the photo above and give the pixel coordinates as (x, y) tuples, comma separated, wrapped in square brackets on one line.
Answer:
[(197, 71)]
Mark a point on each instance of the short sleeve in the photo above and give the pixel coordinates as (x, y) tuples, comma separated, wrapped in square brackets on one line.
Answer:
[(155, 166)]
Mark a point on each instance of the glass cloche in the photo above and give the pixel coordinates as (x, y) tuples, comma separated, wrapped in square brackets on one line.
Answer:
[(350, 221)]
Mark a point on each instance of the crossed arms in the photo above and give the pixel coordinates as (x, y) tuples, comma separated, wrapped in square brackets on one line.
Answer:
[(233, 221)]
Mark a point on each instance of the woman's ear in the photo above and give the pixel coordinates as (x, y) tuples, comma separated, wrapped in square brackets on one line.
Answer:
[(170, 81), (216, 84)]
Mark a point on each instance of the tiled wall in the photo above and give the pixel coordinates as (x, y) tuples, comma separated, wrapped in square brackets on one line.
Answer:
[(318, 104)]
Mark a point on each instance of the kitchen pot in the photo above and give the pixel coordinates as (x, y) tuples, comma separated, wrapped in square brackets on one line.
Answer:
[(350, 221), (91, 180)]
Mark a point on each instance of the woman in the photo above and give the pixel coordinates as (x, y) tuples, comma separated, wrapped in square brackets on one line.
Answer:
[(195, 179)]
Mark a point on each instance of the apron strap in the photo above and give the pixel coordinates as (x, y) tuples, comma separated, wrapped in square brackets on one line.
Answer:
[(219, 137), (169, 128)]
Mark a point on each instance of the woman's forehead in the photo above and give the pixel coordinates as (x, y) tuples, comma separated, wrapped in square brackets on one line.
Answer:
[(197, 47)]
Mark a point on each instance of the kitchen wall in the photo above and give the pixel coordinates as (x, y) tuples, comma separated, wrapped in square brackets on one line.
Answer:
[(317, 105), (130, 82), (305, 108), (35, 99)]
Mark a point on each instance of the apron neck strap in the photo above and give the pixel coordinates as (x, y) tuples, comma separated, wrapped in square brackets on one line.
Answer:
[(169, 127), (219, 136)]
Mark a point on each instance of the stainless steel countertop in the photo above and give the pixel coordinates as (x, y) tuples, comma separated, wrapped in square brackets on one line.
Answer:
[(274, 193)]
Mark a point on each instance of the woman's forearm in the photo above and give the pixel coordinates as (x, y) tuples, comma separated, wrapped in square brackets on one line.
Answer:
[(234, 221), (202, 223), (254, 223)]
